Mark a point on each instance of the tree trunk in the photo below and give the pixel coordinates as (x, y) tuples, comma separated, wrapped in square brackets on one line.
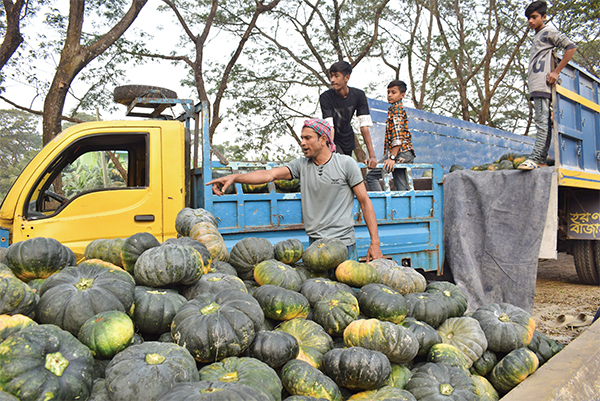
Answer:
[(12, 36), (74, 57)]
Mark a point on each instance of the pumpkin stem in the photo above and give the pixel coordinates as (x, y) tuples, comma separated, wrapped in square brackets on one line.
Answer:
[(446, 389), (210, 390), (84, 284), (210, 308), (504, 317), (56, 363), (154, 359)]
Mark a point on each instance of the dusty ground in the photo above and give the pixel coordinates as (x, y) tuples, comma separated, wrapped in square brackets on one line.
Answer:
[(558, 292)]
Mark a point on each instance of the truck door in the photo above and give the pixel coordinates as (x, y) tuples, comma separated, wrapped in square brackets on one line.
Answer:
[(99, 186)]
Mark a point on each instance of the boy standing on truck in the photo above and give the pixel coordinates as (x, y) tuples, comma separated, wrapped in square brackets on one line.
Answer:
[(541, 77), (328, 183), (398, 147), (338, 105)]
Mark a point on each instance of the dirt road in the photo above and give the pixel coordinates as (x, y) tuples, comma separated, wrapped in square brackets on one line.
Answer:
[(558, 292)]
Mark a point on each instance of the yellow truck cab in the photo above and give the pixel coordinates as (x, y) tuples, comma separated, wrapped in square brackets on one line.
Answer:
[(134, 195)]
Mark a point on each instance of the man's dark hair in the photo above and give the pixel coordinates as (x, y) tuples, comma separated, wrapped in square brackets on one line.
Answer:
[(400, 84), (540, 6), (343, 67)]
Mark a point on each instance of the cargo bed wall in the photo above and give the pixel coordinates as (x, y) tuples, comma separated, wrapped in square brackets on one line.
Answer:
[(409, 222), (448, 141)]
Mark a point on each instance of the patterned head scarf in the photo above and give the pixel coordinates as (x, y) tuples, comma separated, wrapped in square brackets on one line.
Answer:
[(321, 127)]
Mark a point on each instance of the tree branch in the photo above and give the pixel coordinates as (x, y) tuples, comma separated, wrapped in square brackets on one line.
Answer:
[(37, 112)]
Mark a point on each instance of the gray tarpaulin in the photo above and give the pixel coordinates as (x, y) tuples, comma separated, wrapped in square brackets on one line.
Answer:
[(493, 223)]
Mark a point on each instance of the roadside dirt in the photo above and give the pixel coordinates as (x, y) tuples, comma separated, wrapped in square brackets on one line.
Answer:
[(557, 292)]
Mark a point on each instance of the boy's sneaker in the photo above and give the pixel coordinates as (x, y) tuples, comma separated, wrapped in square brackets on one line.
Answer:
[(528, 165)]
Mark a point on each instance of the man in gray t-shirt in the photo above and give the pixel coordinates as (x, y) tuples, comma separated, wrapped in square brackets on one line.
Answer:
[(328, 184)]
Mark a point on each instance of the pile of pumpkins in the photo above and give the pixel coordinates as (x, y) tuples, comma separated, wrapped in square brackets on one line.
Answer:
[(189, 319), (508, 161)]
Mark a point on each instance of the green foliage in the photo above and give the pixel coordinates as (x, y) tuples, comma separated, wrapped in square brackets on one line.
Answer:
[(86, 174), (19, 142)]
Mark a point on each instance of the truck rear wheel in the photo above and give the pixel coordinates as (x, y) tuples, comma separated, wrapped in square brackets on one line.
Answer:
[(586, 254), (128, 93)]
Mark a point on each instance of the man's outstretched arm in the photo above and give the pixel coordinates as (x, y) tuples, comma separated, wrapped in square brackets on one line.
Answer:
[(219, 185)]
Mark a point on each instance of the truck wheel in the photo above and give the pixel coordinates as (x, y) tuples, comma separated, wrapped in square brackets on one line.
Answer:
[(128, 93), (586, 260)]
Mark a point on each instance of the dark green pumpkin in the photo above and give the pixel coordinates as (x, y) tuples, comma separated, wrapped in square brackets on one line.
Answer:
[(425, 334), (134, 246), (107, 333), (249, 252), (274, 272), (385, 393), (324, 254), (511, 370), (357, 368), (288, 186), (205, 256), (288, 251), (275, 348), (398, 343), (456, 300), (16, 297), (218, 266), (314, 342), (168, 264), (213, 283), (382, 302), (399, 376), (36, 284), (6, 272), (145, 371), (10, 324), (38, 258), (484, 364), (99, 391), (248, 371), (437, 381), (214, 327), (336, 311), (44, 362), (211, 391), (281, 304), (108, 250), (300, 378), (155, 309), (356, 274), (405, 280), (188, 217), (427, 307), (506, 327), (544, 346), (466, 335), (315, 289), (448, 354), (484, 388), (73, 295)]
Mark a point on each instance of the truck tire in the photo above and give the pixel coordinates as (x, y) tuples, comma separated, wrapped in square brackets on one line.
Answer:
[(585, 254), (128, 93)]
